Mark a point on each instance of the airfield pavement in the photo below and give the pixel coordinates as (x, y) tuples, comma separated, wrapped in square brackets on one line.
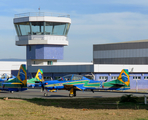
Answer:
[(63, 94)]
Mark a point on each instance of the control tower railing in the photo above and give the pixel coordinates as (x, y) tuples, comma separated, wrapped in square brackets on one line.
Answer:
[(34, 14), (41, 37)]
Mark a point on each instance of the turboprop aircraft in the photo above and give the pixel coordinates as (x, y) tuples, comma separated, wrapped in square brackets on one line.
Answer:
[(36, 81), (17, 84), (78, 82), (6, 76)]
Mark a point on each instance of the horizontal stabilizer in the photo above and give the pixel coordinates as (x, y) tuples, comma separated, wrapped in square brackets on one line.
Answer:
[(117, 84)]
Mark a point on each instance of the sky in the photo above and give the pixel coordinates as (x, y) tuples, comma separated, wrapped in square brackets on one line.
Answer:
[(93, 22)]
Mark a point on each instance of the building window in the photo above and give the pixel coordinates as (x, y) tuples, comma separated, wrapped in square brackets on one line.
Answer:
[(103, 77), (49, 62), (114, 77), (137, 78), (145, 77), (48, 78)]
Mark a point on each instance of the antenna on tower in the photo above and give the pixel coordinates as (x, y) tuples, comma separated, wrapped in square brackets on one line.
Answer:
[(39, 10)]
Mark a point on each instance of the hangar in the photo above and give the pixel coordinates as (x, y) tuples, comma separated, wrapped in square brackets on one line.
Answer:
[(45, 36)]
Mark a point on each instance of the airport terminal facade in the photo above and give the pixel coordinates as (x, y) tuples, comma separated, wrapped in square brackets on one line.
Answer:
[(45, 37)]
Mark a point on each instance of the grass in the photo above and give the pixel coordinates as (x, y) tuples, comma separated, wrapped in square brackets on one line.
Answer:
[(70, 109)]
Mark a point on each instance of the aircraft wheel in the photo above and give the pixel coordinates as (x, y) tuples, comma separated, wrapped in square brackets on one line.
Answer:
[(45, 94), (11, 91), (71, 95)]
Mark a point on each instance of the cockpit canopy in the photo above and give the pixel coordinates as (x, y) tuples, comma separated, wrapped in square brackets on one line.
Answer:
[(71, 77)]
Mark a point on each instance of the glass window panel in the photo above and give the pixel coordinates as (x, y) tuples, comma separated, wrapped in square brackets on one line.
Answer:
[(67, 77), (77, 77), (58, 28), (138, 77), (37, 28), (146, 77), (17, 29), (24, 28), (67, 28), (48, 28)]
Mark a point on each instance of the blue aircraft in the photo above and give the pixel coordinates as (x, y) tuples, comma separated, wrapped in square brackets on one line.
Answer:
[(7, 77), (17, 84), (79, 82)]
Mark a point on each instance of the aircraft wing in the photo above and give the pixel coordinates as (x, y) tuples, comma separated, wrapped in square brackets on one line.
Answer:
[(79, 87), (12, 83)]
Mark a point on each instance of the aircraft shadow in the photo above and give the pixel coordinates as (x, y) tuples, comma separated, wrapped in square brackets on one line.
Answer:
[(56, 96), (86, 103), (123, 92)]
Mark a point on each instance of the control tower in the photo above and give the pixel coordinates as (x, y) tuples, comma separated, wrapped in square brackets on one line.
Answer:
[(44, 35)]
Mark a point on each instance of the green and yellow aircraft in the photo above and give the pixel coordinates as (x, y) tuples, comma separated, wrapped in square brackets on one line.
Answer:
[(17, 84), (36, 81), (79, 82)]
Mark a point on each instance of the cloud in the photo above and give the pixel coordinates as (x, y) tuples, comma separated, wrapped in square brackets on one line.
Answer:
[(86, 30), (103, 28), (109, 23), (122, 2)]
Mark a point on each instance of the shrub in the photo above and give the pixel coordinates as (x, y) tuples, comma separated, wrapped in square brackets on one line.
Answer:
[(129, 98)]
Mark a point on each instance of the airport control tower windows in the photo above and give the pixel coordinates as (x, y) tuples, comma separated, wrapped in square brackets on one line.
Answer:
[(55, 28), (48, 28), (42, 28), (58, 28), (23, 28), (37, 28)]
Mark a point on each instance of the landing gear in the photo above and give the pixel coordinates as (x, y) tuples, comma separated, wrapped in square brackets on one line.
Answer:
[(42, 88), (92, 91), (72, 92), (11, 91), (45, 94), (71, 95)]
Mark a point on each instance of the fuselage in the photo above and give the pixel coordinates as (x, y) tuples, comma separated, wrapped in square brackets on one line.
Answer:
[(82, 84)]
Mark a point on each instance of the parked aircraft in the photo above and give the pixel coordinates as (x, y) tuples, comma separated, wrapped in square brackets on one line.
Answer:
[(36, 81), (17, 84), (78, 82), (6, 76)]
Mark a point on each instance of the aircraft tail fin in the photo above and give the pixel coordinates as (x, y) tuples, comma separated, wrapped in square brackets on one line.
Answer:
[(123, 78), (22, 75), (39, 75)]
